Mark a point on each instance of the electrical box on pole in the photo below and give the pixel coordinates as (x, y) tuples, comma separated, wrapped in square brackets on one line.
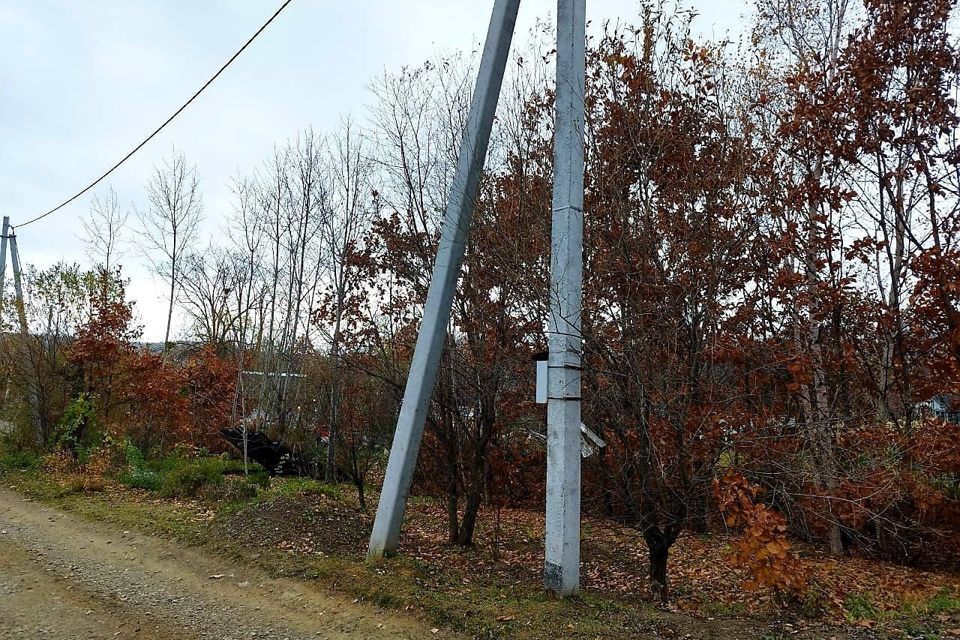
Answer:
[(541, 361)]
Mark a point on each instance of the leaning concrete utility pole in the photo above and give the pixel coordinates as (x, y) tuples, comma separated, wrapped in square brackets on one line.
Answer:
[(562, 566), (20, 304), (446, 272)]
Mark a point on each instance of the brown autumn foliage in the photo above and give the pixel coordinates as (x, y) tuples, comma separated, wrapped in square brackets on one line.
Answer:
[(739, 213), (142, 395), (763, 549), (209, 386)]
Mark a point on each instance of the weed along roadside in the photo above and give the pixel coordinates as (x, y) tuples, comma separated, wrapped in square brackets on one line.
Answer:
[(303, 529)]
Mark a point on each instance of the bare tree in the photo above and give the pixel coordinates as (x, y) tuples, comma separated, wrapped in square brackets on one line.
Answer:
[(103, 230), (276, 234), (170, 223), (351, 203), (245, 233), (214, 296)]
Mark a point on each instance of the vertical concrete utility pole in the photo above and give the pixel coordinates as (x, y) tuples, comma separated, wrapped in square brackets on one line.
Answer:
[(562, 567), (446, 272), (3, 258)]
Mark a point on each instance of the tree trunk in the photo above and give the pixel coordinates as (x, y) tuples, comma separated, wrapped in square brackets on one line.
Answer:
[(331, 469), (469, 522), (700, 517), (361, 497), (659, 552), (823, 442), (453, 506), (453, 492)]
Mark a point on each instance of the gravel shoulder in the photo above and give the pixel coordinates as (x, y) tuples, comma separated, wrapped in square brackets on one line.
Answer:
[(65, 578)]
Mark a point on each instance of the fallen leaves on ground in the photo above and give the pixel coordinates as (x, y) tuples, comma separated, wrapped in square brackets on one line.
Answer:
[(614, 557)]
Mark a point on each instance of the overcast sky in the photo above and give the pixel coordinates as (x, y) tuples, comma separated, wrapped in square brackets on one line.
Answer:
[(82, 80)]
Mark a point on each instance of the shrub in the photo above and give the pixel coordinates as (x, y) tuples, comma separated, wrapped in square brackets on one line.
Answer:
[(96, 464), (174, 460), (142, 479), (256, 474), (20, 460), (133, 455), (137, 475), (179, 475), (290, 487), (763, 549), (58, 462), (187, 480), (232, 489), (78, 424), (85, 483)]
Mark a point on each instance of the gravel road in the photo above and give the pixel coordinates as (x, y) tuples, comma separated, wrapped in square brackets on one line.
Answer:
[(64, 578)]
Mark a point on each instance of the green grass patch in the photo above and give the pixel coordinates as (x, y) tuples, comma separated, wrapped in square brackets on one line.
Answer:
[(18, 460), (945, 602), (178, 476), (295, 487), (916, 618), (142, 479), (860, 606), (187, 480)]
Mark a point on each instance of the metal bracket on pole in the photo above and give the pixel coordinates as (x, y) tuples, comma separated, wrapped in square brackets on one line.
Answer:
[(446, 272), (562, 559)]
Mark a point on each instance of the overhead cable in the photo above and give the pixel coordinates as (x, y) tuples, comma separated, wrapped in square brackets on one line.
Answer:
[(165, 122)]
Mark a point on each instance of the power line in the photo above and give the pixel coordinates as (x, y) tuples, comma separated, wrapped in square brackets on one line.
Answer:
[(165, 123)]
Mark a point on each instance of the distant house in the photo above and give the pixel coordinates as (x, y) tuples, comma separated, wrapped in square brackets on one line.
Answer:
[(944, 407)]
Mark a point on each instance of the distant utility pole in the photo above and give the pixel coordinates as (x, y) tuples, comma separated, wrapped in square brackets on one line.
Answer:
[(446, 272), (562, 566), (18, 286), (3, 257), (20, 304)]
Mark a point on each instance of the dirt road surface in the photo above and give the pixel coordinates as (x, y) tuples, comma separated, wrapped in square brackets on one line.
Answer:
[(62, 578)]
